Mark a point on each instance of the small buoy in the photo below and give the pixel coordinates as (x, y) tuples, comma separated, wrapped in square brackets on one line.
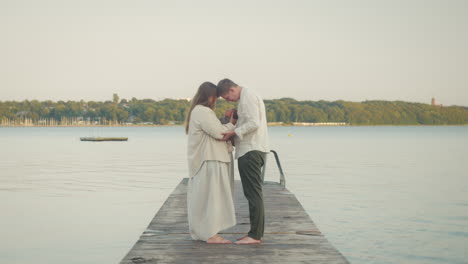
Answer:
[(289, 135)]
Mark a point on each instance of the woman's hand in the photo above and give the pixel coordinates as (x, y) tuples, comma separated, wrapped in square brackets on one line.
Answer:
[(228, 135)]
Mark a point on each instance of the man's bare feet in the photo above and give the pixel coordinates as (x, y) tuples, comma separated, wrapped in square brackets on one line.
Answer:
[(217, 240), (248, 240), (240, 238)]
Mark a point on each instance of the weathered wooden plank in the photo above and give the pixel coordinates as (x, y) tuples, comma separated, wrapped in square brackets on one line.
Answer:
[(290, 235)]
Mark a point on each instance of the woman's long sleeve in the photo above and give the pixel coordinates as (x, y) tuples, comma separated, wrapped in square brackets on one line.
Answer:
[(211, 125)]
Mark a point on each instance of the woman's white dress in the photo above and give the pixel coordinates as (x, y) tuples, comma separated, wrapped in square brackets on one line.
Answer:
[(210, 203), (210, 200)]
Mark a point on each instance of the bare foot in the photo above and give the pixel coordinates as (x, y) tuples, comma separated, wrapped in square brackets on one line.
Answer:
[(240, 238), (217, 240), (248, 240)]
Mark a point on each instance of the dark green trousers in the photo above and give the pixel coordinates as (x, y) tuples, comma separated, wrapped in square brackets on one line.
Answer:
[(250, 170)]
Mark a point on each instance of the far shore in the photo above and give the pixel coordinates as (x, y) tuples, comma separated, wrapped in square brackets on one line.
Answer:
[(269, 124)]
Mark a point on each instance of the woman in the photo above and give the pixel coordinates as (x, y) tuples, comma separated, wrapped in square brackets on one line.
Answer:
[(210, 204)]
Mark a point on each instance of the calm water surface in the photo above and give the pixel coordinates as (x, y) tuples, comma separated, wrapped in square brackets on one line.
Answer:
[(379, 194)]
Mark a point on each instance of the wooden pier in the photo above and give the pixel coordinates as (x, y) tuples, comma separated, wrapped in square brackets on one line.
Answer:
[(290, 235)]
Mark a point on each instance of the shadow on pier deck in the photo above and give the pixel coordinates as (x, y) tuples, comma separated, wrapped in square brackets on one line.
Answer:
[(290, 235)]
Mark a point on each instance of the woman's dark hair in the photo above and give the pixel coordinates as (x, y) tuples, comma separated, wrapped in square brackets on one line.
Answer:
[(205, 91)]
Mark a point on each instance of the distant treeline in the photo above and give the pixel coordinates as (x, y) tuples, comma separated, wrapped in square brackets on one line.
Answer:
[(171, 111)]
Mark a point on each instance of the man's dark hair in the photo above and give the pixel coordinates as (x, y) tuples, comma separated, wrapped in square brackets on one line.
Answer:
[(224, 86)]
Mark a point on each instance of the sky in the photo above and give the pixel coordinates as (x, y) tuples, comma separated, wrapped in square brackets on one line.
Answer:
[(409, 50)]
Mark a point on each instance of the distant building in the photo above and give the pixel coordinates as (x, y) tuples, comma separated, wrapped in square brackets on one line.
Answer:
[(131, 119), (433, 102)]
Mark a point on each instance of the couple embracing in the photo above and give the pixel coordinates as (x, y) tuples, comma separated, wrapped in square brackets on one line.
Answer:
[(210, 203)]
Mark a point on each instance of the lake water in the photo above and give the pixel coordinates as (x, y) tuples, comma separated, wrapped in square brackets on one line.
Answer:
[(379, 194)]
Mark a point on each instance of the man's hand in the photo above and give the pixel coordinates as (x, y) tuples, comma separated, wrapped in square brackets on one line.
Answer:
[(228, 135), (232, 114), (232, 119)]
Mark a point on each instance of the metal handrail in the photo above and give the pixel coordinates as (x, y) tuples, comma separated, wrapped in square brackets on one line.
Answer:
[(282, 178)]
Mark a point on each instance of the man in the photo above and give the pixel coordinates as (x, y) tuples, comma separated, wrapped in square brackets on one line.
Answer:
[(251, 141)]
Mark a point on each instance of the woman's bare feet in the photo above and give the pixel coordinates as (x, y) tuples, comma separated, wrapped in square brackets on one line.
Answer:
[(248, 240), (217, 240)]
